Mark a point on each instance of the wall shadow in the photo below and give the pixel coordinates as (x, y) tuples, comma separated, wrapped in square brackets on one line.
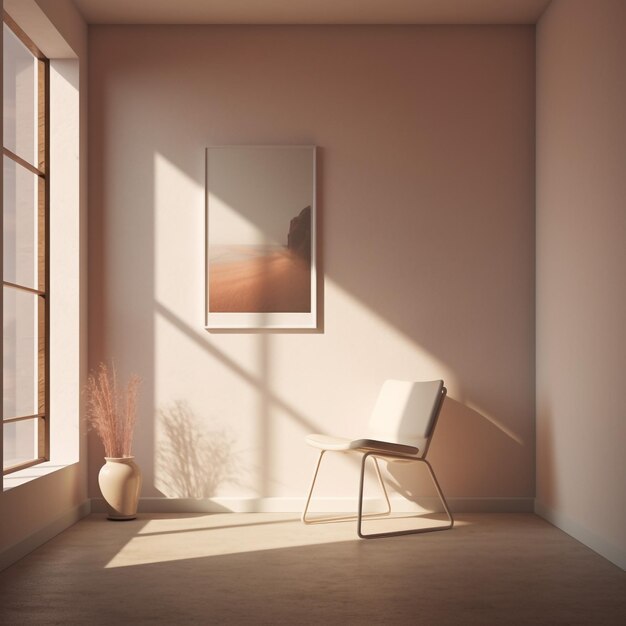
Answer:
[(260, 382), (487, 450), (449, 451), (546, 457), (424, 222), (193, 457), (123, 333)]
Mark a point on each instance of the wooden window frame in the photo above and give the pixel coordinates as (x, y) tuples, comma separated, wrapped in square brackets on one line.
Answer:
[(42, 292)]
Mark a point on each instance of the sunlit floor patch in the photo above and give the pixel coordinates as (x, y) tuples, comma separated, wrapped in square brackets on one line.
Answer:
[(166, 538)]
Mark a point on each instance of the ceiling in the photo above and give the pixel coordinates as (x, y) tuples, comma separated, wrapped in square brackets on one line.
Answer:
[(311, 11)]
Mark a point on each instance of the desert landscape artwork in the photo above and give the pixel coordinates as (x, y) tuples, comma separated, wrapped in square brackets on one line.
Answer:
[(261, 236)]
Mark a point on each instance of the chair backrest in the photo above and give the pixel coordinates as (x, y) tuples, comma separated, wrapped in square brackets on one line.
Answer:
[(406, 412)]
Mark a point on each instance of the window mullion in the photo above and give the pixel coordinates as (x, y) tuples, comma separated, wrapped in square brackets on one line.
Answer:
[(21, 466), (43, 202), (22, 418), (22, 36), (36, 292), (23, 162)]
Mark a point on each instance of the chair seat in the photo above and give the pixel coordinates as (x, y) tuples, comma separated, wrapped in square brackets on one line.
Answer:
[(326, 442)]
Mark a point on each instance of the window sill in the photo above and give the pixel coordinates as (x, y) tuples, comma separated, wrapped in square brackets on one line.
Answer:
[(21, 477)]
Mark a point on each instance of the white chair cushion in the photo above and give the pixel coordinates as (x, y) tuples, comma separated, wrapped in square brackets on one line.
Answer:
[(326, 442)]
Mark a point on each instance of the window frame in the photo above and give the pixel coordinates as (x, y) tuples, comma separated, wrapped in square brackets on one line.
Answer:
[(42, 292)]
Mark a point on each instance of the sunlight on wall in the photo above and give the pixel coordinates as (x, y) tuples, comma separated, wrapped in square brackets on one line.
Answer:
[(426, 245), (496, 422), (65, 262), (262, 392)]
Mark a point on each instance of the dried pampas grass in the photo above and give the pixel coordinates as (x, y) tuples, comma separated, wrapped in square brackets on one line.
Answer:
[(112, 414)]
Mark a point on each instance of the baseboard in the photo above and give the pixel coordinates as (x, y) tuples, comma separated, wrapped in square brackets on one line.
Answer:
[(15, 552), (325, 505), (604, 548)]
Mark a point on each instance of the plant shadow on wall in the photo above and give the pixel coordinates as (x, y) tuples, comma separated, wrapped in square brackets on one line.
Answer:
[(194, 456)]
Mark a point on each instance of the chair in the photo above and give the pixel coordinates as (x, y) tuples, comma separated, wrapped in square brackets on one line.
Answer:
[(400, 430)]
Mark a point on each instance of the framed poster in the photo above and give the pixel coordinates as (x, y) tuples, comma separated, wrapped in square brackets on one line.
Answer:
[(260, 237)]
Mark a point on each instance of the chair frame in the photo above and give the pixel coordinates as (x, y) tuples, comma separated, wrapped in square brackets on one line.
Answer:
[(391, 456)]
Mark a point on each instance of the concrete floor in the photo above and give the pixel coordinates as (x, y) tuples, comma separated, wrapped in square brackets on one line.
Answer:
[(270, 569)]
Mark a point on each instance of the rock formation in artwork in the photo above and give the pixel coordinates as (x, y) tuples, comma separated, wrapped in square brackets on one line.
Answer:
[(299, 237)]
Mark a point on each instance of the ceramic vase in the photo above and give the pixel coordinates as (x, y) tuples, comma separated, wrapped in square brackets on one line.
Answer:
[(120, 484)]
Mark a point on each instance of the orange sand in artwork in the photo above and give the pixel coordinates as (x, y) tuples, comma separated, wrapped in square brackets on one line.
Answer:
[(278, 282)]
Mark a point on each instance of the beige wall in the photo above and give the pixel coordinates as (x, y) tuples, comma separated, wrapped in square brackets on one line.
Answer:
[(426, 195), (36, 510), (581, 259)]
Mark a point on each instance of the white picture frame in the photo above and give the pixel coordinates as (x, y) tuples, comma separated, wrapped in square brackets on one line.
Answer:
[(260, 261)]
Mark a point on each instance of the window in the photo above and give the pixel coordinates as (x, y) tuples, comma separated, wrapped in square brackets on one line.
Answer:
[(25, 407)]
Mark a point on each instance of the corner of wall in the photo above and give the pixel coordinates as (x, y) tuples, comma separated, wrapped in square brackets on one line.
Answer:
[(598, 544)]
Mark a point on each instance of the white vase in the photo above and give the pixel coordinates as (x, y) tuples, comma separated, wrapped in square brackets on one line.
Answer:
[(120, 484)]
